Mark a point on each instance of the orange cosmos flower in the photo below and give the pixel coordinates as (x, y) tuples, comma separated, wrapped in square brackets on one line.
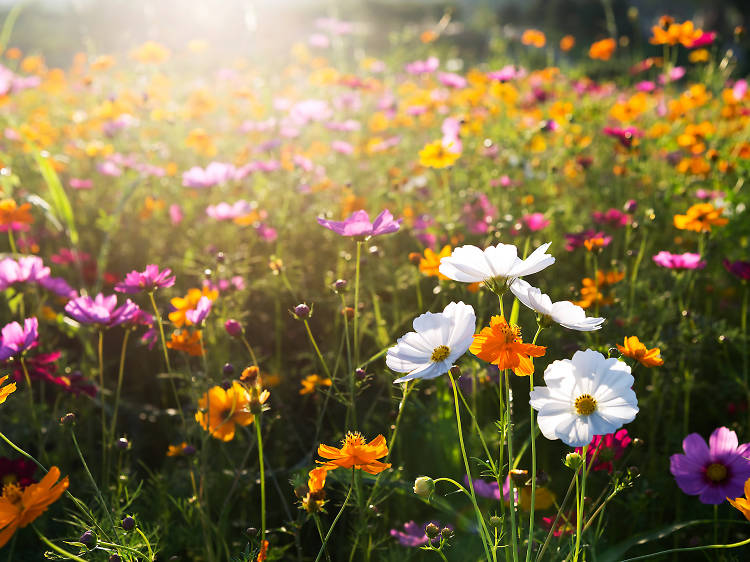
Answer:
[(184, 304), (311, 382), (673, 33), (20, 507), (150, 52), (743, 504), (567, 43), (430, 263), (315, 497), (634, 349), (428, 36), (187, 341), (534, 37), (501, 345), (177, 450), (355, 453), (220, 411), (6, 389), (13, 217), (603, 49), (700, 218)]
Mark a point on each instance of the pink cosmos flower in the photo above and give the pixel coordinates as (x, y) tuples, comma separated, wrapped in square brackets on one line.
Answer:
[(739, 89), (704, 40), (31, 269), (215, 173), (535, 222), (612, 217), (358, 224), (679, 261), (508, 72), (452, 80), (43, 367), (423, 66), (200, 312), (342, 147), (146, 281), (230, 211), (175, 214), (675, 73), (101, 310), (608, 448), (77, 183), (573, 241), (625, 136), (645, 86), (713, 472), (16, 339)]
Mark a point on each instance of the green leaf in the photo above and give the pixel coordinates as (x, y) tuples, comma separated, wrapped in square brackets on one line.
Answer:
[(57, 199), (616, 552)]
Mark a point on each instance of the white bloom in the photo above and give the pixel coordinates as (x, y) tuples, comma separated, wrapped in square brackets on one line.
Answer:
[(565, 313), (437, 341), (469, 264), (586, 396)]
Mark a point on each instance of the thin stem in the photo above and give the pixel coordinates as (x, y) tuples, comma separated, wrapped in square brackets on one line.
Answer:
[(250, 350), (262, 480), (338, 515), (105, 443), (12, 242), (356, 304), (482, 527), (579, 506), (320, 534), (557, 516), (317, 350), (148, 544), (27, 378), (688, 549), (512, 502), (533, 458), (56, 548), (157, 315), (120, 372)]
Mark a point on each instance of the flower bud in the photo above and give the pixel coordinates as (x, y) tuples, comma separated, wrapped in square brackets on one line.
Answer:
[(68, 419), (88, 539), (251, 531), (496, 522), (128, 523), (432, 530), (415, 257), (188, 450), (573, 461), (446, 532), (227, 369), (302, 311), (114, 558), (360, 373), (348, 311), (519, 477), (638, 442), (233, 328), (456, 371), (123, 444), (634, 472), (340, 285), (424, 486)]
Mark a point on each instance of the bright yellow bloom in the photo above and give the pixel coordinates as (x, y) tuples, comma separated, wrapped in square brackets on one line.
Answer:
[(699, 55), (311, 382), (150, 53), (6, 389), (220, 411), (501, 345), (355, 453), (634, 349), (201, 142), (544, 498), (743, 504), (20, 507), (700, 218), (435, 155), (430, 263)]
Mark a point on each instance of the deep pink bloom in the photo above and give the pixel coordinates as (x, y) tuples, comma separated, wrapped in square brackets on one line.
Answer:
[(147, 280), (573, 241), (77, 183), (43, 367), (233, 328), (704, 40), (101, 310), (645, 86), (738, 268), (624, 135), (608, 448), (28, 269), (16, 339), (414, 535), (679, 261), (713, 472), (534, 222), (18, 471), (613, 217), (508, 72), (358, 224)]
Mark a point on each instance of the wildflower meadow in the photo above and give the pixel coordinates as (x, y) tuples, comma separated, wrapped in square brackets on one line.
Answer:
[(444, 286)]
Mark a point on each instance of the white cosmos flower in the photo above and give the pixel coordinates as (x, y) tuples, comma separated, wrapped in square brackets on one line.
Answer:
[(469, 264), (586, 396), (565, 313), (437, 341)]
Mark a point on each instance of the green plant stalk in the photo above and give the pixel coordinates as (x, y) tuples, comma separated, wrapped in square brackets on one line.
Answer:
[(27, 378), (120, 372), (157, 315), (317, 350), (56, 548), (350, 368), (262, 480), (355, 328), (532, 423), (105, 444), (511, 495), (336, 519), (688, 549), (250, 350), (480, 519), (12, 242), (579, 507), (320, 534)]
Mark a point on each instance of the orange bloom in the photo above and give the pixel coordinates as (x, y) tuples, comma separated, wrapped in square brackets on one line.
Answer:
[(567, 43), (700, 218), (315, 497), (634, 349), (603, 49), (534, 37), (743, 504), (13, 217), (673, 33), (19, 507), (428, 36), (187, 341), (501, 345), (6, 389), (355, 453), (311, 382), (430, 263), (592, 244), (150, 52), (263, 554), (219, 410), (591, 292), (188, 302)]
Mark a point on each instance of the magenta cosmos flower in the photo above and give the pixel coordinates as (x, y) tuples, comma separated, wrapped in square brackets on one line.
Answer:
[(101, 310), (714, 472), (16, 339), (740, 269), (608, 448), (148, 280), (358, 224), (679, 261)]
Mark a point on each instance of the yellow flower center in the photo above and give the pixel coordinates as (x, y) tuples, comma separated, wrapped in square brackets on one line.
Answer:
[(353, 439), (9, 479), (13, 493), (440, 353), (716, 472), (585, 405)]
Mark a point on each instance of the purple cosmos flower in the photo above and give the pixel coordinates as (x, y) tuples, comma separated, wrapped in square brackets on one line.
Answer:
[(738, 268), (679, 261), (200, 312), (146, 281), (31, 269), (16, 339), (358, 224), (414, 535), (491, 490), (101, 310), (715, 471)]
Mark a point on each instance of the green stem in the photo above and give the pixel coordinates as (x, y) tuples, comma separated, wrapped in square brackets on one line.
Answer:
[(320, 533), (262, 480), (482, 527), (579, 507), (27, 378), (355, 328), (157, 315), (12, 242), (250, 350), (689, 549), (105, 444), (120, 373), (338, 515), (56, 548), (511, 495), (317, 349), (533, 458)]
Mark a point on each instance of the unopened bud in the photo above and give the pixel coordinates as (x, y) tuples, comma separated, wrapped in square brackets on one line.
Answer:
[(496, 522), (88, 539), (302, 311), (573, 461), (68, 419), (432, 530), (233, 328), (128, 523), (424, 486), (415, 257), (446, 532)]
